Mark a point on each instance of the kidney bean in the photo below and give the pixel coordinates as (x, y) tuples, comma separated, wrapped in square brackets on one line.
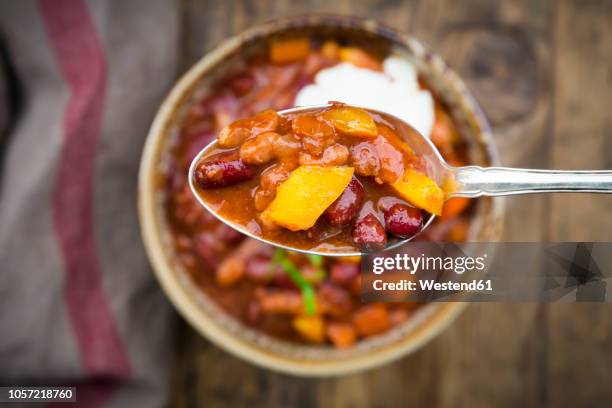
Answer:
[(262, 199), (334, 300), (237, 132), (264, 121), (315, 146), (364, 159), (227, 234), (287, 147), (222, 170), (241, 83), (207, 249), (271, 178), (259, 270), (232, 135), (343, 273), (315, 133), (403, 221), (335, 155), (282, 280), (187, 210), (345, 208), (391, 161), (369, 233), (260, 149), (253, 313)]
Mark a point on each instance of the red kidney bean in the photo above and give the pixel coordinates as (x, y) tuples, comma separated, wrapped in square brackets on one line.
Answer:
[(364, 159), (369, 233), (259, 149), (287, 147), (241, 83), (237, 132), (260, 270), (253, 312), (403, 221), (345, 208), (282, 280), (334, 300), (222, 170), (344, 272), (391, 161), (334, 155)]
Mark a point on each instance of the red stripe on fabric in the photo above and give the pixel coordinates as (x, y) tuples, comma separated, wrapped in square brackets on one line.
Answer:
[(82, 62)]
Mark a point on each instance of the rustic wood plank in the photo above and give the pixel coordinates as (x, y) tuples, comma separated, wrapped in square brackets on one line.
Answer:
[(579, 339), (480, 40)]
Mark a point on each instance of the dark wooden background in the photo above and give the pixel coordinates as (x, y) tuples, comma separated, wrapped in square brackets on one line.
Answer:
[(542, 71)]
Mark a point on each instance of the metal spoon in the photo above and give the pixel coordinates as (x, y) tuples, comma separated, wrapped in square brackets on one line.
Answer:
[(468, 181)]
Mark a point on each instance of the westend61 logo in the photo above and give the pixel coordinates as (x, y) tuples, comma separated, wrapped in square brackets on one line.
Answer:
[(413, 264)]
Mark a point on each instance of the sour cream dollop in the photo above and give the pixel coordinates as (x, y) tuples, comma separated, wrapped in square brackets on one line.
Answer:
[(395, 91)]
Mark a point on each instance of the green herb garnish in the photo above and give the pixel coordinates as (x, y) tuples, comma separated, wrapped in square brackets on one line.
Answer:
[(317, 262), (308, 291)]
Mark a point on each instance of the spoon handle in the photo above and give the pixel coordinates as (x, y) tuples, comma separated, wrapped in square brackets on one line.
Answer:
[(475, 181)]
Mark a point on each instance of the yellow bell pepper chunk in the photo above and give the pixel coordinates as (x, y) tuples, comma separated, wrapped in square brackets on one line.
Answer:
[(352, 121), (305, 195), (311, 328), (420, 191)]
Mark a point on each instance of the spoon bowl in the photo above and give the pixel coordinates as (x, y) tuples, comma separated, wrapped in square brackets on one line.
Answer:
[(468, 181), (421, 145)]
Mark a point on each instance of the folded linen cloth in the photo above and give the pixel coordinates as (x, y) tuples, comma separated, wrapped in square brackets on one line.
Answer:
[(79, 86)]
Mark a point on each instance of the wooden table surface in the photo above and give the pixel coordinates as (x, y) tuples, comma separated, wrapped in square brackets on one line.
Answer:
[(542, 72)]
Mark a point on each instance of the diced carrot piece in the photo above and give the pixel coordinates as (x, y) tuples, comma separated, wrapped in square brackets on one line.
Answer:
[(359, 58), (330, 49), (303, 197), (353, 121), (281, 302), (454, 207), (289, 50), (371, 319), (230, 271), (420, 191), (341, 334), (311, 328)]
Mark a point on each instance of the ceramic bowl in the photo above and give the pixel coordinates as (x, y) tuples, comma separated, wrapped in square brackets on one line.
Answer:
[(201, 311)]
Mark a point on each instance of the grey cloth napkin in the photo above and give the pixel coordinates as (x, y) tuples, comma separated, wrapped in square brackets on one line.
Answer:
[(78, 302)]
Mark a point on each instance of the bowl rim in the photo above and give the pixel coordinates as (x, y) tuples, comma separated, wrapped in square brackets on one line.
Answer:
[(169, 279)]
